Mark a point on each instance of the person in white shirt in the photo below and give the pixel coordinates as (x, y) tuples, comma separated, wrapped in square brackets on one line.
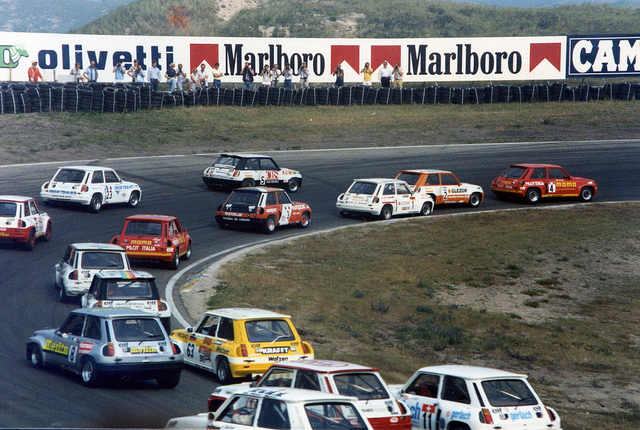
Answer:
[(385, 75), (266, 76), (203, 77), (304, 76)]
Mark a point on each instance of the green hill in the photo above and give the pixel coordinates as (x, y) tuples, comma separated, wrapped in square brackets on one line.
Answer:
[(357, 18)]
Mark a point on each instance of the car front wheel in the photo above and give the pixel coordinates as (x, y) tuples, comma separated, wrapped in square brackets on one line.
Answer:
[(47, 233), (187, 255), (474, 200), (223, 372), (35, 357), (293, 185), (134, 199), (586, 194), (426, 209), (175, 261), (305, 219), (31, 241)]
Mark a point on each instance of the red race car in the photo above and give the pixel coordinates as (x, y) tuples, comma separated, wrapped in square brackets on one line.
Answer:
[(155, 237), (533, 181), (262, 207)]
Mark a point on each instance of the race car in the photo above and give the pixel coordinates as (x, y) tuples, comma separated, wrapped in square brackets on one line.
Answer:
[(91, 186), (239, 342), (100, 344), (383, 198), (127, 289), (261, 207), (442, 186), (249, 170), (534, 181), (473, 398), (21, 221), (155, 237), (279, 408), (365, 383), (73, 274)]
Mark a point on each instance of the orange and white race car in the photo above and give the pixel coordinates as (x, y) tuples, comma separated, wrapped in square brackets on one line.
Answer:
[(442, 186), (23, 222), (262, 207), (534, 181)]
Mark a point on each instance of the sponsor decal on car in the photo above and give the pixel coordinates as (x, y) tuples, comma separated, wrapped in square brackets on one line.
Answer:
[(274, 350), (143, 350), (56, 348), (85, 347)]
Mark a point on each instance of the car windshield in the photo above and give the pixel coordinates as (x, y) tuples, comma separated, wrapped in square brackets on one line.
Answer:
[(249, 198), (508, 392), (73, 176), (268, 331), (128, 289), (143, 228), (363, 188), (102, 260), (409, 178), (333, 415), (8, 209), (364, 386), (513, 172), (227, 161), (137, 330)]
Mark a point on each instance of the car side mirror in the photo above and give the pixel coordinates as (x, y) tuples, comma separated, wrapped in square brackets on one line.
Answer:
[(253, 384), (189, 330)]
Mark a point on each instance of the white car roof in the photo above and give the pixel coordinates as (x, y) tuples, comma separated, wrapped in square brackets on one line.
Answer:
[(125, 274), (241, 155), (325, 366), (91, 246), (471, 372), (424, 171), (17, 199), (246, 313), (380, 180), (87, 168), (295, 395)]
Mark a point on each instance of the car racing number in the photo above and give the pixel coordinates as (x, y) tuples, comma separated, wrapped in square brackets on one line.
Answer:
[(552, 187), (286, 213), (108, 193), (72, 353)]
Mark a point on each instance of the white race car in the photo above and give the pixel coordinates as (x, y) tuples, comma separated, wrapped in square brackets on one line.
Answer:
[(383, 198), (22, 221), (90, 186), (473, 398), (249, 170)]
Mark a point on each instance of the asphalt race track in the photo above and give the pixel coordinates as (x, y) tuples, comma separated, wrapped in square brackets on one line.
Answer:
[(173, 186)]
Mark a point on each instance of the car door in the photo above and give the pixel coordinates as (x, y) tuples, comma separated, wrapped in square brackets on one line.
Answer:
[(406, 201), (36, 217), (63, 348), (421, 396), (178, 236), (452, 192), (65, 265), (560, 183), (269, 172), (286, 207), (204, 345), (112, 192)]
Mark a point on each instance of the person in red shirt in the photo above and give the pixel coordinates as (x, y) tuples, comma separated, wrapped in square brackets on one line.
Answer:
[(34, 73)]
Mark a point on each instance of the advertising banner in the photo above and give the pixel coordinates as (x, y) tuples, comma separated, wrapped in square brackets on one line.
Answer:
[(423, 60), (602, 56)]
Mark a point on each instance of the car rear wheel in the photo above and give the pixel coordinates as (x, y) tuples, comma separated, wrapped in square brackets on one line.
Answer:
[(134, 199), (586, 194), (248, 183), (31, 241), (175, 261), (35, 357), (223, 372), (533, 195), (64, 298), (89, 373), (426, 209), (47, 233), (96, 203), (169, 381), (386, 212), (293, 185), (270, 224), (305, 219), (474, 200)]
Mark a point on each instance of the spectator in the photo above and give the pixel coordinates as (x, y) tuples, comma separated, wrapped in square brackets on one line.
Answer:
[(304, 76), (203, 77), (398, 73), (194, 81), (339, 74), (138, 75), (275, 74), (266, 76), (181, 78), (247, 76), (132, 71), (287, 74), (385, 74), (217, 76), (171, 77), (119, 71), (368, 72), (77, 72), (91, 72), (154, 75), (34, 73)]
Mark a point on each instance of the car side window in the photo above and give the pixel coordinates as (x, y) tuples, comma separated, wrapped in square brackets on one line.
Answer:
[(433, 179), (271, 199), (389, 190), (283, 198), (92, 328), (33, 208), (274, 415), (268, 164), (27, 211), (97, 178), (225, 330), (425, 385), (171, 230), (252, 164), (73, 325), (209, 325), (110, 177), (539, 174), (403, 189), (555, 173), (455, 390), (448, 179), (241, 410), (307, 380)]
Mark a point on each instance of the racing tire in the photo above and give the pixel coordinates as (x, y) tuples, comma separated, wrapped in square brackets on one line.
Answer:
[(305, 219), (46, 237), (293, 185), (35, 356), (89, 373), (170, 381), (223, 225), (344, 214), (386, 212), (223, 371), (586, 194), (166, 323), (134, 199), (426, 209), (533, 195), (474, 200), (96, 203), (270, 224), (175, 261), (31, 241), (187, 255), (64, 298), (248, 183)]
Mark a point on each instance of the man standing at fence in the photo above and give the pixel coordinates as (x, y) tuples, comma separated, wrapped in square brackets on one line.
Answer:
[(385, 74), (217, 76), (247, 76), (154, 75), (304, 76), (91, 73), (34, 73)]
